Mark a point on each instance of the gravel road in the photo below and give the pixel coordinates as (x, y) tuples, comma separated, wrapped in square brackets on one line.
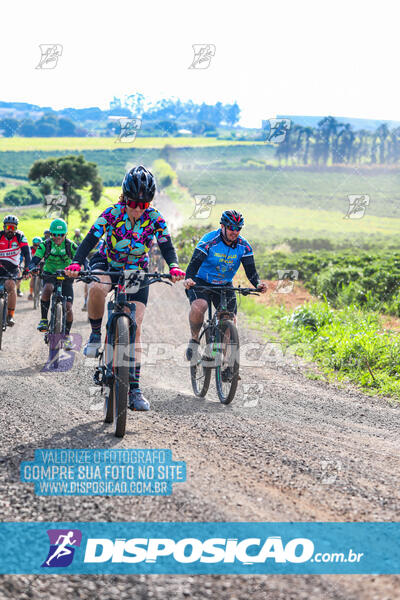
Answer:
[(294, 450)]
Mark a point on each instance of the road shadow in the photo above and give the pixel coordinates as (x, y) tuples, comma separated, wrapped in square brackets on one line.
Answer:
[(182, 404)]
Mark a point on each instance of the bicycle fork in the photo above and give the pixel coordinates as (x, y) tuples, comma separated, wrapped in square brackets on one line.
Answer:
[(104, 372)]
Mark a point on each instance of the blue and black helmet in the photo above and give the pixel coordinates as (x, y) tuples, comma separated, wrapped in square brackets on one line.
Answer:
[(10, 219), (139, 184), (232, 218)]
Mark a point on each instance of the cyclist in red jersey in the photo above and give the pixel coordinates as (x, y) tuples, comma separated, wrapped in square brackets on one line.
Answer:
[(13, 243)]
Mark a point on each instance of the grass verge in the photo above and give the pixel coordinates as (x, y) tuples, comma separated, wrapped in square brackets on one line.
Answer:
[(347, 345)]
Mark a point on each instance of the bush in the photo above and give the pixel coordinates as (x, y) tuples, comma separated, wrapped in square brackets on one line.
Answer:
[(187, 239), (23, 195), (330, 282), (164, 173)]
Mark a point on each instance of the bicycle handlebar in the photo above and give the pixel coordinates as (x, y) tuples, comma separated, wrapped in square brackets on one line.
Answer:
[(217, 288), (89, 276)]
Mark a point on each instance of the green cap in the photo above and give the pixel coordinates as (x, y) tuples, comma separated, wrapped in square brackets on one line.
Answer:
[(58, 226)]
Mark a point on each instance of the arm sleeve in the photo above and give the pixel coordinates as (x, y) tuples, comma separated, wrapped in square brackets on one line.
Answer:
[(168, 252), (164, 242), (85, 247), (195, 263), (26, 253), (97, 230), (250, 270)]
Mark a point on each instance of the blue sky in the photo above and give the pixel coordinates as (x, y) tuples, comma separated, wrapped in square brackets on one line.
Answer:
[(286, 57)]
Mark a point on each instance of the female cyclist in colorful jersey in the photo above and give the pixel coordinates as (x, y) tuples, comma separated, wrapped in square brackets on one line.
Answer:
[(129, 227)]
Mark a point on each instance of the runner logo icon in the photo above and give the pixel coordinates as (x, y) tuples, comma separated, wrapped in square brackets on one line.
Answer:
[(61, 551)]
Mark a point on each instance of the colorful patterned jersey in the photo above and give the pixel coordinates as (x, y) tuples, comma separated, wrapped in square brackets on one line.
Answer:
[(127, 245), (10, 250), (222, 261)]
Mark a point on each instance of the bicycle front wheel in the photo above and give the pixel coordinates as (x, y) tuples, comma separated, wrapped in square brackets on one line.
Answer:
[(55, 337), (227, 371), (121, 375), (3, 310), (200, 372)]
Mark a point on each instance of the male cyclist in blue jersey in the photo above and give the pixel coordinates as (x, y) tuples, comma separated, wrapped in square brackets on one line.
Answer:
[(129, 227), (215, 261)]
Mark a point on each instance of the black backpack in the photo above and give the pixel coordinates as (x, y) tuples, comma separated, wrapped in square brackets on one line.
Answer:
[(47, 246)]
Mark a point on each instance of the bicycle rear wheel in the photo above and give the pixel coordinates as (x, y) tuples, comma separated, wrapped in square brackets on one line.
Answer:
[(121, 375), (227, 371), (36, 292), (3, 310), (55, 337), (200, 373), (109, 394)]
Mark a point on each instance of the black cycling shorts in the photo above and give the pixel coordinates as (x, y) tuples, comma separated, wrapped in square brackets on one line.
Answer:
[(7, 268), (67, 289), (99, 262), (215, 297)]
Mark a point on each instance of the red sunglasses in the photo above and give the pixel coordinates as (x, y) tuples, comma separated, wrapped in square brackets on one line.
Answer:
[(10, 226), (136, 203)]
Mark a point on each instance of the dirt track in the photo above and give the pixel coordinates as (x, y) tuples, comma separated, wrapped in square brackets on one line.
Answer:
[(307, 451)]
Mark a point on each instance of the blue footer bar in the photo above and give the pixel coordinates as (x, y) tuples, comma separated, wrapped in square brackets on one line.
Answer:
[(200, 548)]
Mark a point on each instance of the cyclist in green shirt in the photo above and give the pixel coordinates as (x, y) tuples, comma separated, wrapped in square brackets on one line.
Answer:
[(56, 253)]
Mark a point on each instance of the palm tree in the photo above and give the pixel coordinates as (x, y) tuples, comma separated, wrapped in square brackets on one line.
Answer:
[(382, 133)]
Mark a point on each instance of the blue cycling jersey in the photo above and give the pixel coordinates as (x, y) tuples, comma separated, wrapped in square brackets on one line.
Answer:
[(222, 260)]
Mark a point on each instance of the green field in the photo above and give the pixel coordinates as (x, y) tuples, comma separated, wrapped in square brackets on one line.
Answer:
[(278, 203), (111, 143), (113, 163), (297, 188)]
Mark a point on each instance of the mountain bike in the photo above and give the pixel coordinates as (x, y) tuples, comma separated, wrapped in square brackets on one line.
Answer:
[(117, 356), (219, 347), (58, 314), (4, 304)]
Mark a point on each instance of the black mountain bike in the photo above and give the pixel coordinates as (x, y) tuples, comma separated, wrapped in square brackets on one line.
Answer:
[(118, 353), (58, 314), (4, 304), (219, 348)]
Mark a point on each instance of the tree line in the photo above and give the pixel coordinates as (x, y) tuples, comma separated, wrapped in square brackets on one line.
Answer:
[(333, 142), (163, 117)]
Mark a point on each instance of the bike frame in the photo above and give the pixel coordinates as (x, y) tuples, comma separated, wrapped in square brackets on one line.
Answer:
[(221, 313), (116, 310), (57, 297), (4, 294)]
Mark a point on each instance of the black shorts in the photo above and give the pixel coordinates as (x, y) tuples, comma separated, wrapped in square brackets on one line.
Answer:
[(215, 297), (99, 262), (67, 289), (7, 268)]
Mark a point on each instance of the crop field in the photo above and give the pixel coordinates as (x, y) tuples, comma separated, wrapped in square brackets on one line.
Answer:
[(111, 143), (297, 188), (113, 163), (278, 202)]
